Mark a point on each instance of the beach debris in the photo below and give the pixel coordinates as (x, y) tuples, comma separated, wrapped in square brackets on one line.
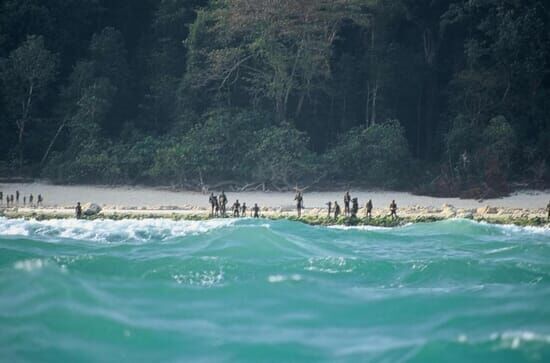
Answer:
[(90, 209)]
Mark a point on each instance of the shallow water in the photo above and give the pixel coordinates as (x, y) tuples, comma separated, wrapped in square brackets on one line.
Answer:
[(256, 290)]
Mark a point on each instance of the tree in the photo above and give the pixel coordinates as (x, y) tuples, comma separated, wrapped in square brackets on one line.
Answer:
[(375, 155), (270, 53), (281, 156), (27, 73)]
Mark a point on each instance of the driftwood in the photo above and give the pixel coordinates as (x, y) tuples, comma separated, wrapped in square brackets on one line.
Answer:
[(236, 186)]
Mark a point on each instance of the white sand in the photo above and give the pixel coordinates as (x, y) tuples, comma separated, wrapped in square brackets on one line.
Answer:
[(151, 198)]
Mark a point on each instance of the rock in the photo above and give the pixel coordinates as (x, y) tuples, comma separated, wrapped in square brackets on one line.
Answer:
[(90, 209), (487, 210), (466, 215), (492, 210), (448, 210)]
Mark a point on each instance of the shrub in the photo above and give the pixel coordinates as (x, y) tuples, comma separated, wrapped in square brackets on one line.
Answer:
[(281, 155), (376, 155)]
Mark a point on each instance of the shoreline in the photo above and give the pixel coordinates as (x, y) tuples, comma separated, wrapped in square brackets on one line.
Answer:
[(314, 216), (131, 197), (527, 207)]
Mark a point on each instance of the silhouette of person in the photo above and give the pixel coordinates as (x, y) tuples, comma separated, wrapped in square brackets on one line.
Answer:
[(78, 211), (393, 209), (347, 199), (369, 208), (299, 203)]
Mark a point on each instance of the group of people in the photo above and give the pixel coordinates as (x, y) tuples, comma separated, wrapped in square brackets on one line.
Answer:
[(13, 199), (351, 207), (218, 206)]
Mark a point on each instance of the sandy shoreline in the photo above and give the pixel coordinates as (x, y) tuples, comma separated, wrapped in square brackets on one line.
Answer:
[(155, 198), (525, 207)]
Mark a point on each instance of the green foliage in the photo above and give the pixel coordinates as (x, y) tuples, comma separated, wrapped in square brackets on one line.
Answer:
[(101, 162), (214, 149), (195, 91), (27, 73), (376, 155), (462, 137), (108, 53), (499, 140), (280, 154)]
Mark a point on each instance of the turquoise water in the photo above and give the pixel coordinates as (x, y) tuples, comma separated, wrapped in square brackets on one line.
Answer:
[(255, 290)]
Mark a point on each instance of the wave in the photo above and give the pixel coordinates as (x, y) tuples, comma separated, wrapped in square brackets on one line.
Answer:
[(445, 291), (452, 225), (108, 230), (164, 229)]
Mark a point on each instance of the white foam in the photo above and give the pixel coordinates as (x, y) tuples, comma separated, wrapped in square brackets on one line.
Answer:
[(512, 228), (281, 278), (12, 229), (498, 250), (514, 339), (109, 230), (200, 278), (359, 228), (531, 229), (30, 264), (329, 264)]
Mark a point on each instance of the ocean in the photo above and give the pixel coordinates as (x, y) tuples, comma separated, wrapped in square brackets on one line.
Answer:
[(272, 291)]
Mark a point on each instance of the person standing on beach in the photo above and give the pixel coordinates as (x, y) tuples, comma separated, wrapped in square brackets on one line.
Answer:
[(213, 202), (256, 210), (223, 202), (1, 198), (548, 211), (216, 206), (31, 198), (369, 208), (393, 209), (243, 210), (336, 210), (299, 203), (329, 204), (354, 207), (347, 199), (17, 196), (24, 201), (236, 209), (39, 200), (78, 211)]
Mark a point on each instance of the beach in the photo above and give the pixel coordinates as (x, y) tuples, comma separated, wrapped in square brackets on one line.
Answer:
[(120, 201)]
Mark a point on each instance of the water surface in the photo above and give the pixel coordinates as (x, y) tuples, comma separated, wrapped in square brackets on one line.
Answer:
[(255, 290)]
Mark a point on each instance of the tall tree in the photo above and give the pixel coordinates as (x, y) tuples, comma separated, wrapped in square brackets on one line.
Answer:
[(27, 73)]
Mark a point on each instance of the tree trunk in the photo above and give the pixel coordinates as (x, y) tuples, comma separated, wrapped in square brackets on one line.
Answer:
[(419, 122), (374, 94), (52, 142), (300, 104), (21, 131), (367, 105), (291, 81), (21, 123)]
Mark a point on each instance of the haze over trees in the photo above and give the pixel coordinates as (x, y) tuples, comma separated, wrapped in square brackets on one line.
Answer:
[(444, 97)]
